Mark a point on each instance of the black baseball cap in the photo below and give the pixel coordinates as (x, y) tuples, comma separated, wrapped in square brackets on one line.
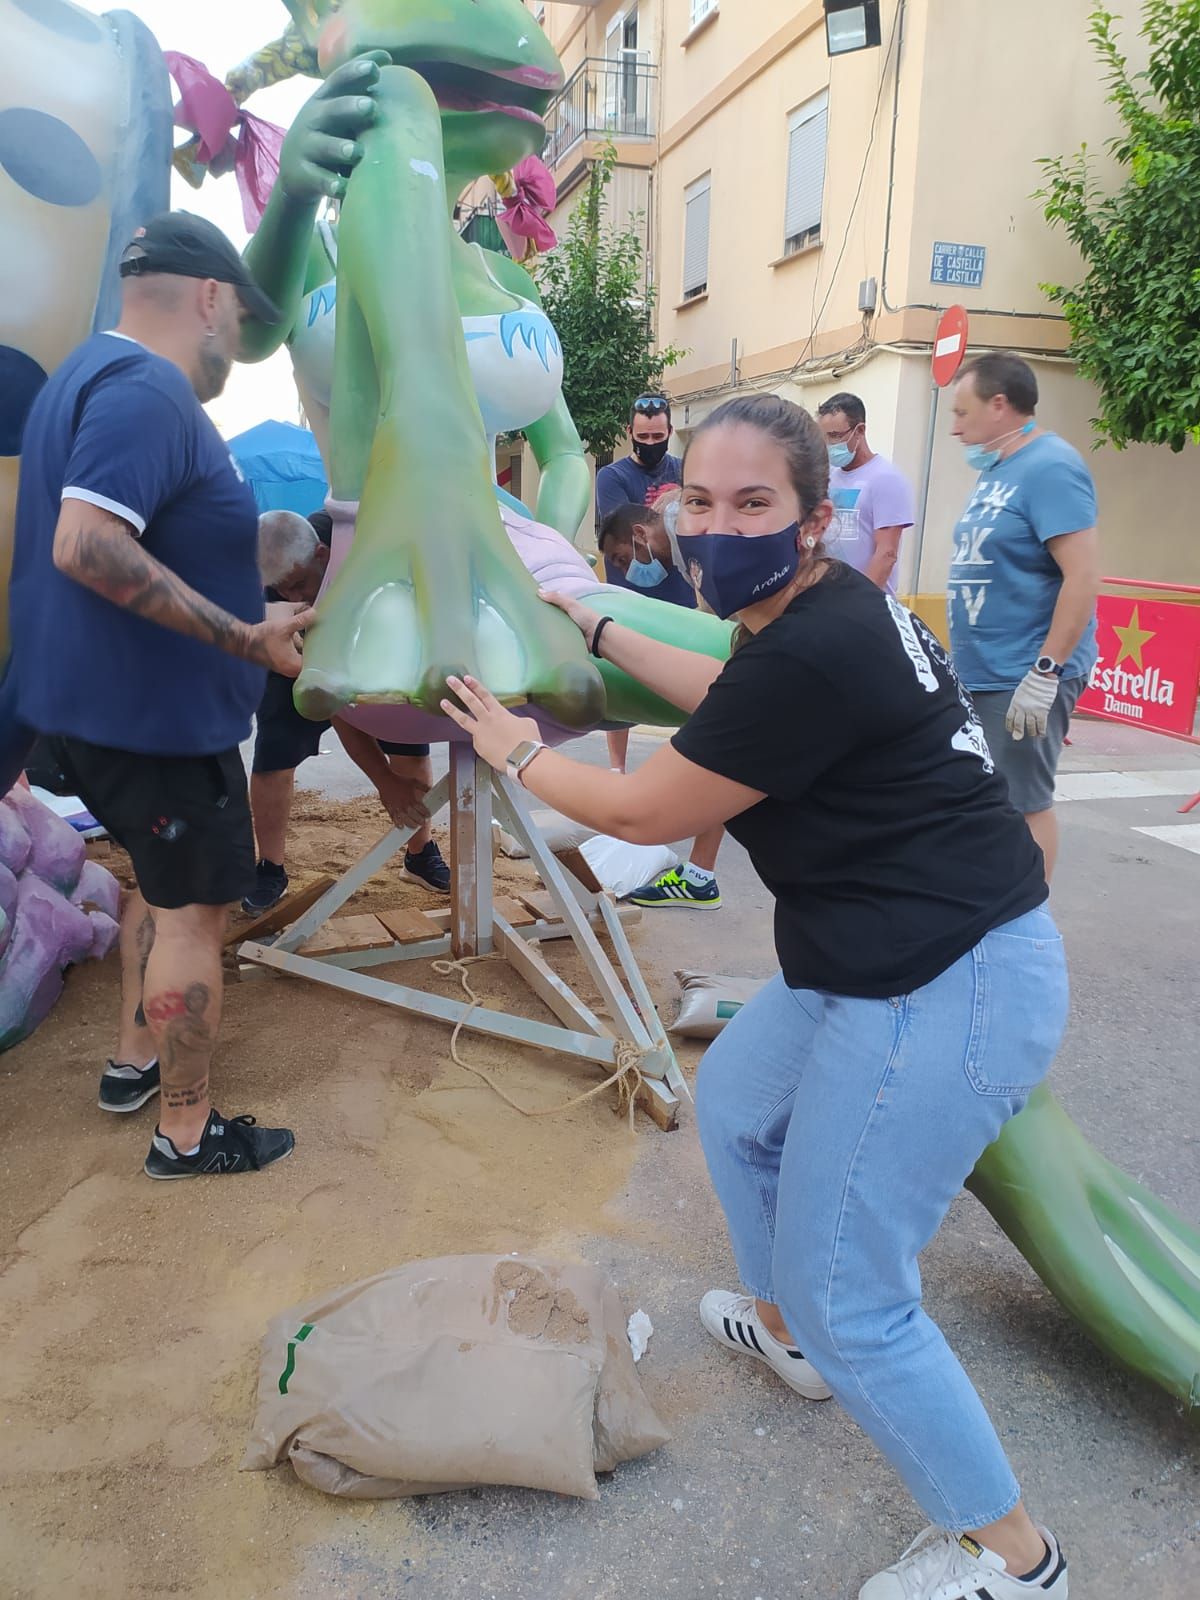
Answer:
[(187, 246)]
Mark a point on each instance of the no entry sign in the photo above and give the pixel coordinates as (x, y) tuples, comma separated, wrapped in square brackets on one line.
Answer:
[(949, 345)]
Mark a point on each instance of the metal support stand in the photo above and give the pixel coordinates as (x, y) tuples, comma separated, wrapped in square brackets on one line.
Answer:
[(475, 927)]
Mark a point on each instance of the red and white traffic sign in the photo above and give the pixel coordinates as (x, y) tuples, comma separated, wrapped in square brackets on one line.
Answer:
[(949, 345)]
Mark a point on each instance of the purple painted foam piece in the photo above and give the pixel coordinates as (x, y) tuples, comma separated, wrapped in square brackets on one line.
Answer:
[(41, 930), (106, 931), (97, 887), (15, 843), (8, 909), (58, 853)]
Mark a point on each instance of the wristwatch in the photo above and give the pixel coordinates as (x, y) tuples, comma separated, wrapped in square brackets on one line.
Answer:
[(1047, 665), (520, 758)]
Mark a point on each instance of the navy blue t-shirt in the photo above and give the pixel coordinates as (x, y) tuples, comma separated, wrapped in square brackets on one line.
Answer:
[(624, 481), (121, 428)]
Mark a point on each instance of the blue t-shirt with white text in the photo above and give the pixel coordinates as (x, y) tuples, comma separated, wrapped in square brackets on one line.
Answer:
[(1004, 583), (121, 428)]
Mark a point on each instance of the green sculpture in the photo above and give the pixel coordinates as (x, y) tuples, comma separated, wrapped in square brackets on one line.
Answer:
[(435, 340)]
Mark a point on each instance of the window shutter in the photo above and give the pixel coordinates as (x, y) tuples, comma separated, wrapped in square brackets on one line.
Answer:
[(696, 198), (807, 130)]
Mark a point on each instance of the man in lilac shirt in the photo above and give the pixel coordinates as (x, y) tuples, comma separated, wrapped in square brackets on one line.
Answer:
[(872, 501)]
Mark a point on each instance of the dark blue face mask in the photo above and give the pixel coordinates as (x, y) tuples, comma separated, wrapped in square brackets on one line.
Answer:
[(733, 571)]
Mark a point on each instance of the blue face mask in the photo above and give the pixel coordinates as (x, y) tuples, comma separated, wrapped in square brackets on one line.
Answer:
[(840, 455), (733, 572), (646, 574), (983, 457)]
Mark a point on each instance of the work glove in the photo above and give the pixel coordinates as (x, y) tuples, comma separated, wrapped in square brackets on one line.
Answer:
[(1029, 708)]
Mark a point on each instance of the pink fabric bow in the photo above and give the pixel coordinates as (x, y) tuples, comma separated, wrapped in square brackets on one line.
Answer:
[(207, 109), (523, 214)]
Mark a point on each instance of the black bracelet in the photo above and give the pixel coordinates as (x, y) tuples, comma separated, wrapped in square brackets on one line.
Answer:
[(600, 627)]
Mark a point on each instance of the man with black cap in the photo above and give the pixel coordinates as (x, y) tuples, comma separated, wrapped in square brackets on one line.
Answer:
[(140, 648)]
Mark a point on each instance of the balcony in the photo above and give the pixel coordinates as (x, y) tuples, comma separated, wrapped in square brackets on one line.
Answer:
[(603, 99), (477, 225)]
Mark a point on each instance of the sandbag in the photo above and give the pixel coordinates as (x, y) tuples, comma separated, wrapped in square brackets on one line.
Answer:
[(453, 1373), (622, 867), (560, 834), (709, 1001)]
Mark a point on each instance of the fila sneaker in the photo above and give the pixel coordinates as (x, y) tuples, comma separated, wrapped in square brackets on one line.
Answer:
[(734, 1322), (946, 1566), (228, 1144), (673, 888)]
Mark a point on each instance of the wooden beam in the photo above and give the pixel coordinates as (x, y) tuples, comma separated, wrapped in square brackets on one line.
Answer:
[(340, 934), (287, 910)]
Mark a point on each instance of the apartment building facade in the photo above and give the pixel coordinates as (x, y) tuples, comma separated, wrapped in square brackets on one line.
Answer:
[(807, 218)]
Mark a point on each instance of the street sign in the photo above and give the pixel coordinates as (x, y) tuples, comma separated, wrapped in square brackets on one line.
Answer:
[(961, 264), (949, 345)]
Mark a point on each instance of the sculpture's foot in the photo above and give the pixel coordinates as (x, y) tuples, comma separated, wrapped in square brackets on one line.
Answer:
[(398, 618)]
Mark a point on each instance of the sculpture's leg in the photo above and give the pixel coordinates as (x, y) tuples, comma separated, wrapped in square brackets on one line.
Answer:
[(431, 584), (1114, 1255)]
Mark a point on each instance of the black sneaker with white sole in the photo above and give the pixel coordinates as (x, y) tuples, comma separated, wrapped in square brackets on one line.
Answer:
[(270, 886), (429, 867), (228, 1144), (733, 1321), (127, 1088)]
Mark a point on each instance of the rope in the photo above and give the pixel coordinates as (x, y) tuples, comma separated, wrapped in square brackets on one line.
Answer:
[(627, 1079)]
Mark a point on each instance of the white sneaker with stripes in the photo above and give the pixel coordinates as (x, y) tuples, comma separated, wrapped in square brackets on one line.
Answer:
[(734, 1322), (948, 1566)]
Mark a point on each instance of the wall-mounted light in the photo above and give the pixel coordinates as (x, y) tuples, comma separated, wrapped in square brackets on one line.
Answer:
[(851, 25)]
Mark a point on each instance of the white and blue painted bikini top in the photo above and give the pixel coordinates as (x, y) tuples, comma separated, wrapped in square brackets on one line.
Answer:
[(515, 356)]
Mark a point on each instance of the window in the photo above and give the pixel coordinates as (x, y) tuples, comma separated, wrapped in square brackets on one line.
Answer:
[(701, 8), (695, 237), (807, 130)]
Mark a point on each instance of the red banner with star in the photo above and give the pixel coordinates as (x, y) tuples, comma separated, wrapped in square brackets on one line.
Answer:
[(1148, 670)]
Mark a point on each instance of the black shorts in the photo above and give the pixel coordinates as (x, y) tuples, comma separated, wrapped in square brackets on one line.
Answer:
[(185, 820), (284, 738)]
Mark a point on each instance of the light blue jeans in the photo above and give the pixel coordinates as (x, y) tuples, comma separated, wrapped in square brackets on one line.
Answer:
[(837, 1133)]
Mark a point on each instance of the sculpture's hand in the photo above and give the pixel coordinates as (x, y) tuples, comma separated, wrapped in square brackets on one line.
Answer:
[(321, 148)]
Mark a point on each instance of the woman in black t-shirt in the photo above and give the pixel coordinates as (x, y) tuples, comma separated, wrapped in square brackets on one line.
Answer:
[(923, 990)]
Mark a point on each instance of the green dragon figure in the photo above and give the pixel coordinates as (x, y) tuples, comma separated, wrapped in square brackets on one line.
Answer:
[(439, 346)]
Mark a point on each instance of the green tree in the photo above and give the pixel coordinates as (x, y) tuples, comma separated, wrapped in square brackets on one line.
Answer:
[(1135, 317), (592, 287)]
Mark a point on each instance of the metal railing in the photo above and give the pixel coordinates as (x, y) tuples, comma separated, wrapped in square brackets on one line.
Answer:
[(478, 225), (603, 98)]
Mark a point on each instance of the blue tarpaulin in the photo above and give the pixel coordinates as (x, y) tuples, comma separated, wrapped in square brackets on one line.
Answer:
[(282, 464)]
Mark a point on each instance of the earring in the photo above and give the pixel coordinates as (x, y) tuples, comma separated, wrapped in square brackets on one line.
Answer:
[(810, 543)]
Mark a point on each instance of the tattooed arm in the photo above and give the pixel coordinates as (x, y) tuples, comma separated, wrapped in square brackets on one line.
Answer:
[(99, 551)]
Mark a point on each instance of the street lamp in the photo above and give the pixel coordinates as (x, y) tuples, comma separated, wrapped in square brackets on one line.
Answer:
[(851, 25)]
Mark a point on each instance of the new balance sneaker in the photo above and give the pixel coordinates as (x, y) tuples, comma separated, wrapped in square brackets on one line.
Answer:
[(672, 888), (127, 1088), (948, 1566), (734, 1322), (428, 867), (228, 1144), (270, 886)]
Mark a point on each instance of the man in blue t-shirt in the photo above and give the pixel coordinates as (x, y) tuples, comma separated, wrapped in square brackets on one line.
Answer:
[(139, 646), (1023, 582), (650, 471)]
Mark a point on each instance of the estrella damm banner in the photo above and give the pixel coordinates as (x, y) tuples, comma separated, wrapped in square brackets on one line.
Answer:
[(1148, 669)]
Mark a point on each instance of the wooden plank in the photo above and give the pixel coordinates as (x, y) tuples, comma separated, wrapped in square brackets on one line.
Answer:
[(527, 960), (575, 862), (513, 912), (339, 934), (407, 926), (659, 1104), (470, 853), (287, 910)]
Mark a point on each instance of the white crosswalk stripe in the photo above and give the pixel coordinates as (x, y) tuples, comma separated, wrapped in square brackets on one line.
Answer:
[(1125, 785), (1184, 834)]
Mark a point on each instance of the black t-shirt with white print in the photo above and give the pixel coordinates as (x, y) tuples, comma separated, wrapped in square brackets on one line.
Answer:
[(887, 837)]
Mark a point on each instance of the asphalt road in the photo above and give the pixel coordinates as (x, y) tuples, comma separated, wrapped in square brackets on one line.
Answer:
[(762, 1496)]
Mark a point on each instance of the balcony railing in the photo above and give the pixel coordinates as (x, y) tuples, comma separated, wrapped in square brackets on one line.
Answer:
[(477, 225), (603, 99)]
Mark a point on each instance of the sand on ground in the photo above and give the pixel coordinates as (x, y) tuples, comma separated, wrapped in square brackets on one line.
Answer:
[(131, 1312)]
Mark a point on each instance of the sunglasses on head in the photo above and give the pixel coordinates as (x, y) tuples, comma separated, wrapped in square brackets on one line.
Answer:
[(650, 405)]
